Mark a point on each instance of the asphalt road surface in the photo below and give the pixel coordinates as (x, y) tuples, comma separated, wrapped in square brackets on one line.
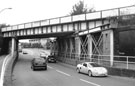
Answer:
[(59, 74)]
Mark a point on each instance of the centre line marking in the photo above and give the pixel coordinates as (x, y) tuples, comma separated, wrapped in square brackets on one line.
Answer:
[(63, 73), (90, 82), (50, 67)]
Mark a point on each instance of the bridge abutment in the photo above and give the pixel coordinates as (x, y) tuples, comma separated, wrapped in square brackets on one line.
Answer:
[(9, 45), (6, 46), (108, 46)]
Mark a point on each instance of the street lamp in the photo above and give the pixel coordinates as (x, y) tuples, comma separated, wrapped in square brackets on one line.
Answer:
[(4, 9)]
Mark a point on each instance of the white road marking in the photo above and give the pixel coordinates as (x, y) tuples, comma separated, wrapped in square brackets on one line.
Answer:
[(90, 82), (63, 73), (50, 67)]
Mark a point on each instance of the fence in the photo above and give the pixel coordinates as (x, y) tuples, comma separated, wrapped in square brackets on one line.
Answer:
[(126, 62)]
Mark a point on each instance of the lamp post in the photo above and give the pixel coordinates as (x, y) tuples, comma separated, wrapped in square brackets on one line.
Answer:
[(4, 9)]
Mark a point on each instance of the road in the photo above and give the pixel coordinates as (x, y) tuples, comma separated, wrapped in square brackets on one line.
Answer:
[(59, 74)]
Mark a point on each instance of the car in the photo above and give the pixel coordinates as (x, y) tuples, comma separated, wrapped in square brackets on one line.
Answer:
[(38, 63), (51, 59), (43, 55), (19, 48), (92, 69), (25, 52)]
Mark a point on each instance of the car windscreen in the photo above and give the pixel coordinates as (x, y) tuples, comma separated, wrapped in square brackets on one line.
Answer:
[(94, 65)]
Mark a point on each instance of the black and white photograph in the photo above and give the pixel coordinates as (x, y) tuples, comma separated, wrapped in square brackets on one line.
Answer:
[(67, 42)]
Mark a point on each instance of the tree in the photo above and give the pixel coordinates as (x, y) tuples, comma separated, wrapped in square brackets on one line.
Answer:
[(80, 8), (3, 25)]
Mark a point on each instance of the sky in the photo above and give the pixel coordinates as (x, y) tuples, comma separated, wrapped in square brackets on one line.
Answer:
[(24, 11)]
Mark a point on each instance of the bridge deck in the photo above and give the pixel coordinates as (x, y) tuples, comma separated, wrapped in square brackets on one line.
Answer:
[(70, 19)]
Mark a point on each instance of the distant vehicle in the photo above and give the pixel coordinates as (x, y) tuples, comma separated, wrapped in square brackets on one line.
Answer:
[(19, 48), (92, 69), (39, 63), (43, 54), (51, 59), (24, 52)]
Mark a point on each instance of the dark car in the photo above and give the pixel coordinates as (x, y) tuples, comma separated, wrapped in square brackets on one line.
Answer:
[(25, 52), (39, 63), (51, 59)]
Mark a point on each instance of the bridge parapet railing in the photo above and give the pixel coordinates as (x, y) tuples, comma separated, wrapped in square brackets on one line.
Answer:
[(128, 10)]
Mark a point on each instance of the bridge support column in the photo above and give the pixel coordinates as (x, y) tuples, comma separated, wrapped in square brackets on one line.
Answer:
[(89, 46), (66, 48), (54, 48), (108, 45), (72, 48), (61, 49), (13, 45), (77, 48), (111, 47)]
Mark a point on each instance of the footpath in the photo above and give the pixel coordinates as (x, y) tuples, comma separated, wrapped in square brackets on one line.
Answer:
[(1, 62)]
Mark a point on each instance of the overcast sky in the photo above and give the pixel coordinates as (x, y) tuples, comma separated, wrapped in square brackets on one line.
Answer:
[(32, 10)]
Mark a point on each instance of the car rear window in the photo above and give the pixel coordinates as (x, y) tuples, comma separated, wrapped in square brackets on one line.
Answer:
[(39, 60)]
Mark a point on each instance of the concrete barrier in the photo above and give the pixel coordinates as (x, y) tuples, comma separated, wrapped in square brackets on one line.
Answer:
[(4, 63), (8, 69), (121, 72)]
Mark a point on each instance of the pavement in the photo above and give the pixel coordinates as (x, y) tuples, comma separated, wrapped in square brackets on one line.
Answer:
[(1, 62)]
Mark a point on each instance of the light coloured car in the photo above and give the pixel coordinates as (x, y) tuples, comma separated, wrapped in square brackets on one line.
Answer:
[(92, 69), (43, 54)]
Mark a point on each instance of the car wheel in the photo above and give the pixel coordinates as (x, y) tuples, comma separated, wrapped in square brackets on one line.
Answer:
[(78, 70), (89, 73)]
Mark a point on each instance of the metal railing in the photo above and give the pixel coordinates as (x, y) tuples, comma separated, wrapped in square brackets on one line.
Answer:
[(126, 62), (82, 17)]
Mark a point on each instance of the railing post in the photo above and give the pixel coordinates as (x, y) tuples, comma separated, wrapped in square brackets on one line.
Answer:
[(127, 62)]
